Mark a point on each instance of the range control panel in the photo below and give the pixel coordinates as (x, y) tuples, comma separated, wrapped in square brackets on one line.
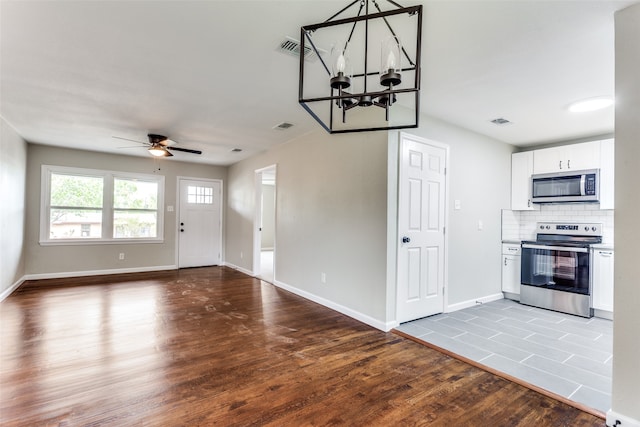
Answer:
[(573, 229)]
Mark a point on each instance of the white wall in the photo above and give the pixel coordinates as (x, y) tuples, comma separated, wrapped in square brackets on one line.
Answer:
[(626, 321), (13, 171), (51, 261)]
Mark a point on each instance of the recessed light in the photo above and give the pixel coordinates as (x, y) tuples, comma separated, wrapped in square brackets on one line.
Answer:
[(591, 104)]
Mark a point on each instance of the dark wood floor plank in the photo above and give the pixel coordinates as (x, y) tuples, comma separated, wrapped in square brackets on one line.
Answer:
[(212, 346)]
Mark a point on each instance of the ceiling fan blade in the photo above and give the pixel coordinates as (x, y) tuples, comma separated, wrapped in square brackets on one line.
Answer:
[(127, 139), (186, 150)]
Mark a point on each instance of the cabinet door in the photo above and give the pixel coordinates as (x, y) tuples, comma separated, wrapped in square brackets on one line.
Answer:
[(603, 280), (521, 169), (548, 160), (511, 274), (582, 156), (607, 173)]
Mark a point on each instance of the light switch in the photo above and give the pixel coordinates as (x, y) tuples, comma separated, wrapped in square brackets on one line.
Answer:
[(457, 204), (169, 208), (480, 225)]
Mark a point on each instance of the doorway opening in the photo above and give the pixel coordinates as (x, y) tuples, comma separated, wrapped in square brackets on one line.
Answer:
[(264, 230)]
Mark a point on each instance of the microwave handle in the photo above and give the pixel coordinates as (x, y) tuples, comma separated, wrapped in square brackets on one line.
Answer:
[(583, 182)]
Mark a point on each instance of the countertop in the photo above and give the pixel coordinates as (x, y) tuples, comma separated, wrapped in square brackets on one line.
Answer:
[(512, 242), (603, 246)]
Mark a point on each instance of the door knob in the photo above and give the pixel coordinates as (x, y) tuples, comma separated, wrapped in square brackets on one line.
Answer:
[(182, 223), (405, 239), (182, 230)]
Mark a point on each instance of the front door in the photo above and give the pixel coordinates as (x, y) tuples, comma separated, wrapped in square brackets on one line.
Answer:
[(199, 223), (421, 228)]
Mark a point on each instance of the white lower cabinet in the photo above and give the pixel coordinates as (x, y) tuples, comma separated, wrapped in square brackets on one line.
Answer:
[(511, 270), (603, 280)]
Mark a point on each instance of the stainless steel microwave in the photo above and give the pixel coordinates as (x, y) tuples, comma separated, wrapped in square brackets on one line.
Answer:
[(566, 187)]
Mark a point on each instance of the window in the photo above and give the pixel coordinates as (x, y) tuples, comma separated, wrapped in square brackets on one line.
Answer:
[(199, 195), (83, 205)]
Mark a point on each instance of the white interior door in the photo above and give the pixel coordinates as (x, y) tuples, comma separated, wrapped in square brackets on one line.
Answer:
[(421, 227), (199, 225)]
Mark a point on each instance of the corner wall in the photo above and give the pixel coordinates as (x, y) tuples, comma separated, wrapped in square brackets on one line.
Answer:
[(13, 173), (626, 320), (330, 218)]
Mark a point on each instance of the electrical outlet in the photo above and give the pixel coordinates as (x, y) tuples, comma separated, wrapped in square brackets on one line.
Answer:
[(121, 256), (323, 277)]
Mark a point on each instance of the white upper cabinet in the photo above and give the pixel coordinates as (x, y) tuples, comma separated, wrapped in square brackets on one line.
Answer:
[(567, 158), (607, 172), (521, 169)]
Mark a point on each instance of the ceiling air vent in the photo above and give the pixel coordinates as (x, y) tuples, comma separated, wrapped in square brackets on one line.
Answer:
[(283, 126), (291, 47), (500, 121)]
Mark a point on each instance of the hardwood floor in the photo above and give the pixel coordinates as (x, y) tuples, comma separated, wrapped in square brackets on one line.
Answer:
[(212, 346)]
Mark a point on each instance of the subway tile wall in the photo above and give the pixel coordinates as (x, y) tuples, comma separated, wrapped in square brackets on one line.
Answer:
[(521, 225)]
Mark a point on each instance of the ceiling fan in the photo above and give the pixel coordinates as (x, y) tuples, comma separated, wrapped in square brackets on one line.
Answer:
[(159, 145)]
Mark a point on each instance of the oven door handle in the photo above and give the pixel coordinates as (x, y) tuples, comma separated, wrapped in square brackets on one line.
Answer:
[(556, 248)]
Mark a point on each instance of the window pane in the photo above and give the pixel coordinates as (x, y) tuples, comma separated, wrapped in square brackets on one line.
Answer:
[(76, 191), (134, 194), (75, 224), (132, 224), (199, 195)]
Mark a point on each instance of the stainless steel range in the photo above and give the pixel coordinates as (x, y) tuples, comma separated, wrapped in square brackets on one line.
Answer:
[(556, 268)]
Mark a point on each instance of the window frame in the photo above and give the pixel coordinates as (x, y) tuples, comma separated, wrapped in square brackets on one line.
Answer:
[(108, 209)]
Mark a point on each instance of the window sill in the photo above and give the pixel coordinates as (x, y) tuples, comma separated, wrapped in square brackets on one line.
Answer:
[(80, 242)]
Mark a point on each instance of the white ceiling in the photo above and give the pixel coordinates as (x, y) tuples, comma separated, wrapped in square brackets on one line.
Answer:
[(207, 73)]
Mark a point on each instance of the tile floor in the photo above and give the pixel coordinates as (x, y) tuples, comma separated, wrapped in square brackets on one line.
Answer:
[(568, 355)]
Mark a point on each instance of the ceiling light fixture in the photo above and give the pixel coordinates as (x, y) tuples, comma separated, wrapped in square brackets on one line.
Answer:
[(351, 77), (591, 104), (158, 150)]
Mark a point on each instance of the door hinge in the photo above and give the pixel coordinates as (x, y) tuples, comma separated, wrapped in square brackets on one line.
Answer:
[(444, 230)]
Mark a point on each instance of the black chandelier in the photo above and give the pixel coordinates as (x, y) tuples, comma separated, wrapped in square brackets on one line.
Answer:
[(351, 77)]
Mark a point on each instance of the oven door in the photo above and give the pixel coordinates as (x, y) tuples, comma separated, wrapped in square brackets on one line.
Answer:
[(560, 268)]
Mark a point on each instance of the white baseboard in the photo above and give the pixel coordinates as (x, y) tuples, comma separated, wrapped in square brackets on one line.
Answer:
[(339, 308), (604, 314), (66, 274), (472, 302), (613, 417), (240, 269), (11, 288)]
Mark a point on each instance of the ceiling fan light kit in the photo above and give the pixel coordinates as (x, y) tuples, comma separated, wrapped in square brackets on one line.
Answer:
[(158, 150), (159, 145), (353, 78)]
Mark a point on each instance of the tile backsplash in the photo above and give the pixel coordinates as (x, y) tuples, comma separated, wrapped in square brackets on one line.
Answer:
[(521, 225)]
